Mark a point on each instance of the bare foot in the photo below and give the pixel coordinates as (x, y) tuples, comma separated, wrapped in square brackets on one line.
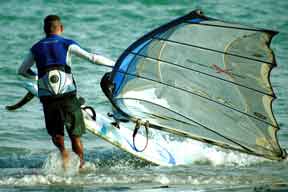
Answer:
[(81, 163), (65, 157)]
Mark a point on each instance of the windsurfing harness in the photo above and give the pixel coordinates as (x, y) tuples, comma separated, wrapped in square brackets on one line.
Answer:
[(201, 78), (53, 64)]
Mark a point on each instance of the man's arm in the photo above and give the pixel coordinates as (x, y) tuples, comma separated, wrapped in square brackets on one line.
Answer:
[(25, 68), (93, 58)]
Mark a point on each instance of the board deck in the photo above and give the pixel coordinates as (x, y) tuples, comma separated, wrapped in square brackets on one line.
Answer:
[(122, 138)]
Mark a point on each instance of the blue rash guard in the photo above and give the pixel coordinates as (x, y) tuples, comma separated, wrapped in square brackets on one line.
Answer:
[(52, 56), (51, 51), (53, 65)]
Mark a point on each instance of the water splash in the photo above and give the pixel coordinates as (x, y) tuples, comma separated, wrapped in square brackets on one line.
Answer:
[(195, 152), (53, 165)]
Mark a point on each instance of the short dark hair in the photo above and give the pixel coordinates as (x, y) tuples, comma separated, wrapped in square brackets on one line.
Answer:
[(51, 22)]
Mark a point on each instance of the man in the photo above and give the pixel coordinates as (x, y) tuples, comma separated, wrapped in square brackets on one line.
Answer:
[(56, 86)]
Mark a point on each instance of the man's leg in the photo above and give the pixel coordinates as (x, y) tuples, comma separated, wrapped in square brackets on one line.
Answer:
[(75, 126), (58, 141), (77, 147)]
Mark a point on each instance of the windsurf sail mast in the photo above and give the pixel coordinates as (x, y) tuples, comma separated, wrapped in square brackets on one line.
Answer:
[(201, 78)]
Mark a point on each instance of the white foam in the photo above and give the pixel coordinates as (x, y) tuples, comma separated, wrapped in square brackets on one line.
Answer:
[(52, 172), (189, 151), (54, 165), (88, 167), (26, 180)]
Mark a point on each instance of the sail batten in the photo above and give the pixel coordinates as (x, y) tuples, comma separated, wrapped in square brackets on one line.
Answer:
[(232, 26), (201, 78), (213, 50), (198, 71)]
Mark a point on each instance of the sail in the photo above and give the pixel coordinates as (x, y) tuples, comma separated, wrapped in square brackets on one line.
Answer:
[(201, 78)]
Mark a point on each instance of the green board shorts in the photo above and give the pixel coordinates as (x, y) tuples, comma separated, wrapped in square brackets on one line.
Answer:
[(64, 112)]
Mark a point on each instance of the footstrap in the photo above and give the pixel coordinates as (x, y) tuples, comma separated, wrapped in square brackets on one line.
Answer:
[(138, 124)]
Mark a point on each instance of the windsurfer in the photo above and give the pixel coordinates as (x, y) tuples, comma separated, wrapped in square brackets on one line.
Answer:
[(61, 107)]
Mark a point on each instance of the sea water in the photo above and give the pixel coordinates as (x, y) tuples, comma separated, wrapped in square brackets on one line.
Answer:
[(30, 162)]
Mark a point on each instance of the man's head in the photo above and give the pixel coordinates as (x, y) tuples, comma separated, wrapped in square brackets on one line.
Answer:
[(53, 25)]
